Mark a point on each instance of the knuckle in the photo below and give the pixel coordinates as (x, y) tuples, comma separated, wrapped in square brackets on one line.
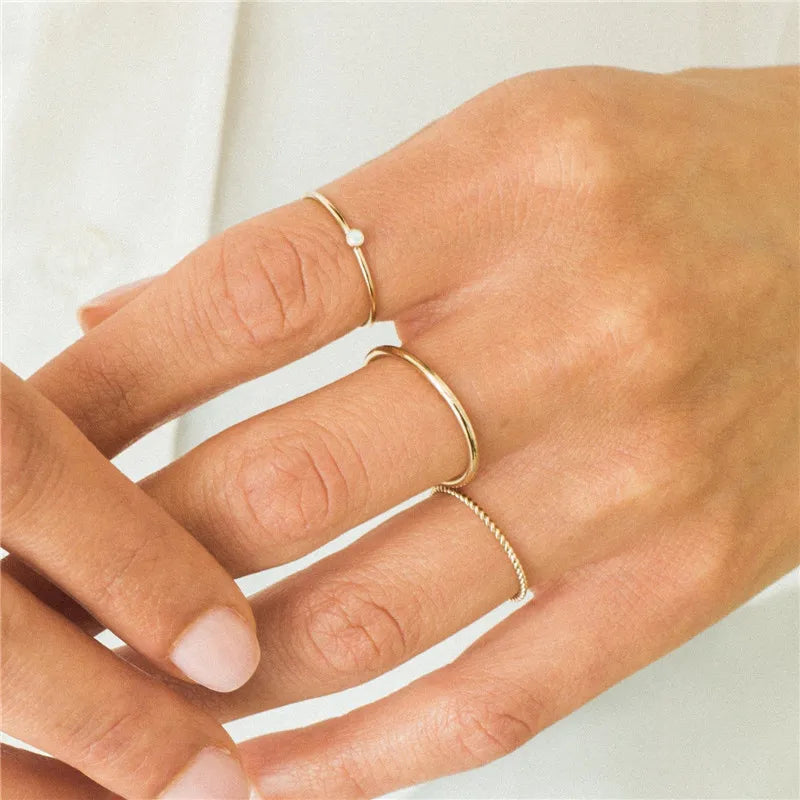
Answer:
[(652, 469), (484, 729), (289, 492), (110, 740), (713, 553), (589, 144), (582, 146), (673, 345), (645, 345), (623, 333), (266, 285), (559, 146), (19, 440), (117, 737), (113, 378), (345, 777), (26, 470), (595, 144), (345, 630)]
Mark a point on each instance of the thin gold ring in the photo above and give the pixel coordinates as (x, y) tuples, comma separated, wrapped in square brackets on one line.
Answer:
[(354, 238), (449, 397), (522, 578)]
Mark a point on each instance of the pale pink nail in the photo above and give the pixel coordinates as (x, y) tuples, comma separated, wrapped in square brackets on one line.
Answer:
[(281, 784), (97, 309), (219, 650), (117, 291), (213, 774)]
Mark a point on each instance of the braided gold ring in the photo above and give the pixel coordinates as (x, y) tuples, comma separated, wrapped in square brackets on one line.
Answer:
[(449, 397), (354, 238), (504, 543)]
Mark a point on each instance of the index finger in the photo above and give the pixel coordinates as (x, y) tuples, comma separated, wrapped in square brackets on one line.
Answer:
[(66, 694), (268, 291), (73, 518)]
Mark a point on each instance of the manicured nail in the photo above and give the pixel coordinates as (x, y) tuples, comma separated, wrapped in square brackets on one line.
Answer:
[(219, 650), (102, 306), (213, 774)]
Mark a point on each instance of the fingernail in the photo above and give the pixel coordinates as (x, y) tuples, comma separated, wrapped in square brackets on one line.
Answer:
[(281, 784), (112, 294), (219, 650), (98, 308), (213, 774)]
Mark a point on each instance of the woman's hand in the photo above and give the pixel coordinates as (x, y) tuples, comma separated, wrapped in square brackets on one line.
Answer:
[(69, 516), (602, 264)]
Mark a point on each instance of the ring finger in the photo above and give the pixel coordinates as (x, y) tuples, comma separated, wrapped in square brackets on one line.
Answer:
[(416, 579)]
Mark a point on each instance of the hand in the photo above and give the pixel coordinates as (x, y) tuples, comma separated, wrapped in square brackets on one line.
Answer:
[(602, 264), (70, 516)]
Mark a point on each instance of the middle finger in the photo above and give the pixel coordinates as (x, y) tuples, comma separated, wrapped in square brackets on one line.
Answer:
[(281, 484)]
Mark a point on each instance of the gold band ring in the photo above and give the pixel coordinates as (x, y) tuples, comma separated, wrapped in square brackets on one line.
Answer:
[(504, 543), (449, 397), (354, 238)]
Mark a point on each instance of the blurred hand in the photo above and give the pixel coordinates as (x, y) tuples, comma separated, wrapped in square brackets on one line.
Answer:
[(72, 519), (602, 264)]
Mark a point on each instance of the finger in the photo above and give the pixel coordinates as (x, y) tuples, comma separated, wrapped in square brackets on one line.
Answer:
[(91, 314), (281, 484), (394, 593), (281, 285), (400, 589), (50, 594), (75, 519), (67, 695), (30, 776), (368, 608), (243, 304), (278, 485), (597, 626)]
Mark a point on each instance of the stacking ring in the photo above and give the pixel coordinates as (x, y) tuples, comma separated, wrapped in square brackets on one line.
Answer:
[(504, 543), (449, 397), (354, 238)]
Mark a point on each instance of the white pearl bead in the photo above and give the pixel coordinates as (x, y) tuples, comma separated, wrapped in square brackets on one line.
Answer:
[(354, 237)]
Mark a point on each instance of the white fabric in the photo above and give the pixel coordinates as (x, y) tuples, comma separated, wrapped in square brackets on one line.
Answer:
[(132, 131)]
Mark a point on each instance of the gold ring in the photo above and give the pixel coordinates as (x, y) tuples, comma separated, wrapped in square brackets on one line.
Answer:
[(504, 543), (355, 238), (449, 397)]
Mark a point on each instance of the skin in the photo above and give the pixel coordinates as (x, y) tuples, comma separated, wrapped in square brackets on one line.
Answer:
[(603, 266), (74, 520)]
